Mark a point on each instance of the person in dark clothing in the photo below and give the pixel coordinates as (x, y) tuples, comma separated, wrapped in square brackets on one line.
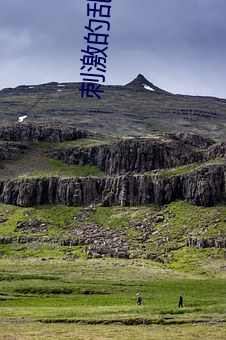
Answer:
[(139, 299), (180, 301)]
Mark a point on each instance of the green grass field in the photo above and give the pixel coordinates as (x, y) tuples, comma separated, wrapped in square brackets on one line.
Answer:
[(52, 291), (96, 299), (38, 331)]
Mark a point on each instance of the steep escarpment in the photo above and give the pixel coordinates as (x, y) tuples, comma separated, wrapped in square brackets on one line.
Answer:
[(132, 155), (38, 132), (205, 186), (134, 168)]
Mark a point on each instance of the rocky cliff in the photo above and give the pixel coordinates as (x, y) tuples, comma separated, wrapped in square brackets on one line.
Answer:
[(205, 186), (133, 167), (132, 155), (37, 132)]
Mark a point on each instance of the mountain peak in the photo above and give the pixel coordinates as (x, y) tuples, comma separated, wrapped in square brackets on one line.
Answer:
[(140, 83), (141, 77)]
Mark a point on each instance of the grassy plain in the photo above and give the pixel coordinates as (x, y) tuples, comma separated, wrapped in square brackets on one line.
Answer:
[(96, 299), (38, 331)]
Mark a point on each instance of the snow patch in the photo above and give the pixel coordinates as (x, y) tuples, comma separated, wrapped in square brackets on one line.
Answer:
[(31, 87), (59, 90), (61, 85), (148, 87), (21, 118)]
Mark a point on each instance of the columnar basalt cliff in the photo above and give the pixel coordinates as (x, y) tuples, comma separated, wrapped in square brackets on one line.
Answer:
[(131, 155), (134, 170), (37, 132), (205, 186)]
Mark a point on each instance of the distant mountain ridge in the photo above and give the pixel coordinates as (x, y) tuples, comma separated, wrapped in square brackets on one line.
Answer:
[(140, 82), (138, 108)]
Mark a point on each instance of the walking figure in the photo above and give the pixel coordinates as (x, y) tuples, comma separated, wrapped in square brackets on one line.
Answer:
[(139, 299), (180, 301)]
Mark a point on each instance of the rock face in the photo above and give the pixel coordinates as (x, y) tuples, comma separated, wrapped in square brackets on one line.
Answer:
[(215, 151), (36, 133), (131, 155), (9, 151), (201, 243), (138, 85), (205, 186), (192, 139), (125, 163)]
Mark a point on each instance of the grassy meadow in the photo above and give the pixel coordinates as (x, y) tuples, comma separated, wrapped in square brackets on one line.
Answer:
[(96, 299), (52, 291)]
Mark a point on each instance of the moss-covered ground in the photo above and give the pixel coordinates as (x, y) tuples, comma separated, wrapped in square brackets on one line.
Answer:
[(168, 238)]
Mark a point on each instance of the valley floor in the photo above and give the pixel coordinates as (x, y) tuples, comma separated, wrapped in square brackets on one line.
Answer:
[(96, 299), (36, 331)]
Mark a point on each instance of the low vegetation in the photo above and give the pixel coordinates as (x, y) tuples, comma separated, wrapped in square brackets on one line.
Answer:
[(168, 240), (60, 293), (51, 284), (60, 169), (111, 332), (35, 162)]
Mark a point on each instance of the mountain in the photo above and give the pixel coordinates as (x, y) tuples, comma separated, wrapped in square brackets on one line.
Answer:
[(68, 189), (138, 108), (123, 176), (140, 83)]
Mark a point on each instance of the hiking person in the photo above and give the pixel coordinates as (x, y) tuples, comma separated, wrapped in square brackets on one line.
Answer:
[(139, 299), (180, 301)]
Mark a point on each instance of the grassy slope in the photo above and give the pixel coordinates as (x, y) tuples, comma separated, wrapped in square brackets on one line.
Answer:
[(36, 163), (119, 112), (181, 219)]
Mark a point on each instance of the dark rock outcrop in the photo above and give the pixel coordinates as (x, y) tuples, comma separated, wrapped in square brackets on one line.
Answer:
[(215, 151), (201, 243), (125, 162), (131, 155), (35, 133), (11, 151), (138, 85), (32, 225), (205, 186), (191, 139)]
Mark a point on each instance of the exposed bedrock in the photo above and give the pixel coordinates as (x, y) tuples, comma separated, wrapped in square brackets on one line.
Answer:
[(38, 132), (131, 155), (11, 150), (191, 139), (215, 151), (205, 187)]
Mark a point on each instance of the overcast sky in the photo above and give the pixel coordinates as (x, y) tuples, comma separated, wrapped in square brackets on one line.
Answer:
[(179, 45)]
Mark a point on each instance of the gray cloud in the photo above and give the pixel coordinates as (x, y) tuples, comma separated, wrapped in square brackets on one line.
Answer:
[(177, 44)]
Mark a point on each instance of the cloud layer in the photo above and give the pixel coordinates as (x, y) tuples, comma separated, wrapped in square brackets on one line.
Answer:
[(177, 44)]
